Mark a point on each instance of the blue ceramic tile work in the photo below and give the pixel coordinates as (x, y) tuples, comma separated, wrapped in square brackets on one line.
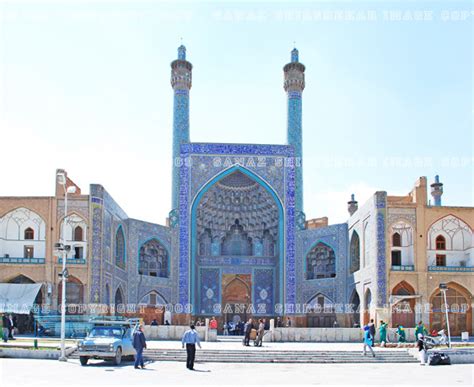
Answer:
[(381, 205), (290, 269), (180, 136), (139, 233), (295, 138), (107, 217), (274, 164), (263, 291), (119, 219), (335, 236), (210, 289), (97, 210)]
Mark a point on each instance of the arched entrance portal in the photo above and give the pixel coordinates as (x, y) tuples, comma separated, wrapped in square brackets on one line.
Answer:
[(236, 297), (403, 311), (119, 301), (237, 230), (355, 315), (459, 307), (25, 323)]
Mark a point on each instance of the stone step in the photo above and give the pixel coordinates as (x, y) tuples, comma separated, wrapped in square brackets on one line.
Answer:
[(261, 356)]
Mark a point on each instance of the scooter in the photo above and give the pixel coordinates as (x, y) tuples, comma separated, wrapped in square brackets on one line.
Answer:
[(433, 341)]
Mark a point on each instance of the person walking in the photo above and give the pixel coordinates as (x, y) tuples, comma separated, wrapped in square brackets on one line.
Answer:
[(11, 326), (260, 333), (139, 343), (288, 323), (421, 344), (247, 329), (4, 326), (190, 339), (368, 341), (383, 333), (372, 331)]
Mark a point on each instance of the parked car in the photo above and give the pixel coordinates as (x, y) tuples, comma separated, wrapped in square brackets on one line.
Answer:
[(108, 340)]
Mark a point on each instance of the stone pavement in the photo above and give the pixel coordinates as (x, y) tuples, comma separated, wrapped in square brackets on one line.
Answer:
[(15, 372)]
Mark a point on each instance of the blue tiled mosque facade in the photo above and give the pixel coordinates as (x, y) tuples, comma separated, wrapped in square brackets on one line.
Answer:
[(236, 232)]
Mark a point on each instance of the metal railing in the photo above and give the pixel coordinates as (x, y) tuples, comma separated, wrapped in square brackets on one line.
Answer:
[(403, 268), (78, 261), (465, 269), (22, 261)]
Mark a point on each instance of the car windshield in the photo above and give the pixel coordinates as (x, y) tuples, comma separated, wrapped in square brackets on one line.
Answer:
[(116, 332)]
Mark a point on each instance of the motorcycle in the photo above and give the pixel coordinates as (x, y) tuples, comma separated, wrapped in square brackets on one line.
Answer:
[(433, 341)]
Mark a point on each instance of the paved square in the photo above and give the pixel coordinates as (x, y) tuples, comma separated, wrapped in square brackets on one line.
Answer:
[(15, 372)]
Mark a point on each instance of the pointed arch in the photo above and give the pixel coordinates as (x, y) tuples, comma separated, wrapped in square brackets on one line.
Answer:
[(354, 301), (459, 302), (403, 310), (321, 310), (153, 259), (146, 299), (354, 252), (78, 234), (396, 240), (29, 234), (403, 288), (119, 298), (320, 261), (120, 248), (21, 279), (194, 207), (15, 222)]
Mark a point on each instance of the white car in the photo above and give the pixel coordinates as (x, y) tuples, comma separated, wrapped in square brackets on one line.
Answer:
[(108, 340)]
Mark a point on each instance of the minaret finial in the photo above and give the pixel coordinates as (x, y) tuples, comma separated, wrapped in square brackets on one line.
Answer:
[(437, 191), (294, 54), (182, 51)]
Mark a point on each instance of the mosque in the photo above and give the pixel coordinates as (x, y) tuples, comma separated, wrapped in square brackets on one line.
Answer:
[(237, 243)]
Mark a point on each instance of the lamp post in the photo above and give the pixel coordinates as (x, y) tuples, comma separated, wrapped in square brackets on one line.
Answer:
[(443, 287), (61, 179)]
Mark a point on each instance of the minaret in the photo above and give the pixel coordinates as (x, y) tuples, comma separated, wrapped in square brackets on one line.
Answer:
[(352, 205), (181, 77), (294, 86), (437, 191)]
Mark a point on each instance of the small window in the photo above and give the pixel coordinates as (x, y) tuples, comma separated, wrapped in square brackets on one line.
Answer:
[(29, 233), (78, 252), (440, 260), (78, 234), (28, 252), (396, 240), (152, 299), (396, 258), (440, 243), (321, 301)]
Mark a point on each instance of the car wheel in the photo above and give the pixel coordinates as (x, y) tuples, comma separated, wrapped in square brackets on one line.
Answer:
[(83, 360), (118, 356)]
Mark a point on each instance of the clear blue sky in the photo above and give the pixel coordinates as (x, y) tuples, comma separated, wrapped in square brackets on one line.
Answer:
[(85, 87)]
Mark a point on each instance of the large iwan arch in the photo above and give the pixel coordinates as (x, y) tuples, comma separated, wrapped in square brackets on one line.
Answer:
[(237, 227)]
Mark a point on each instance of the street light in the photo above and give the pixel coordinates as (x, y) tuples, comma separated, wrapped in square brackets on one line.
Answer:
[(443, 287), (63, 249)]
